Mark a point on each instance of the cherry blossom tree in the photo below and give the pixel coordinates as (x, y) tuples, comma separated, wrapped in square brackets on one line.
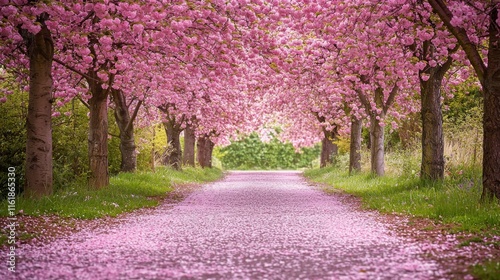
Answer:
[(469, 22), (25, 35), (367, 64), (434, 49), (218, 69)]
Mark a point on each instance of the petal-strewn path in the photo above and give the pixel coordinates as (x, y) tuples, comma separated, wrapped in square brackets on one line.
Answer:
[(252, 225)]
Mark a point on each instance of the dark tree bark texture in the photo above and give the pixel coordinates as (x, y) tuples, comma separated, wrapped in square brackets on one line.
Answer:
[(98, 133), (174, 151), (205, 148), (39, 118), (189, 146), (432, 166), (125, 123), (328, 148), (491, 118)]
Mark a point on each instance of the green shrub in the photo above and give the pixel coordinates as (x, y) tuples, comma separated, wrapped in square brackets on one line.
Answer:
[(13, 139), (251, 153)]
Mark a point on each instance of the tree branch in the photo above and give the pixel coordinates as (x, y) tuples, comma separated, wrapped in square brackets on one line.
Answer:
[(471, 50), (83, 102), (364, 100), (390, 99), (114, 135), (74, 70), (445, 67), (134, 115)]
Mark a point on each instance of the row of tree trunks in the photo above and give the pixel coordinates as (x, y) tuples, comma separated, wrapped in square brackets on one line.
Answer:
[(39, 164), (205, 148), (377, 149), (173, 157), (329, 149), (39, 119), (200, 148)]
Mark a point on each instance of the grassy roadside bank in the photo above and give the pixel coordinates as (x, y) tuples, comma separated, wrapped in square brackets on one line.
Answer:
[(126, 192), (453, 202)]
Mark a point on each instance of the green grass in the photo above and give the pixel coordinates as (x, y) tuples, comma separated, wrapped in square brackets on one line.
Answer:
[(469, 241), (487, 271), (454, 201), (126, 192)]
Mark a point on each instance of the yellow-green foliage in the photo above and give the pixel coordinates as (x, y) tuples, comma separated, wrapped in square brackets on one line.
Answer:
[(343, 143), (251, 153), (150, 140)]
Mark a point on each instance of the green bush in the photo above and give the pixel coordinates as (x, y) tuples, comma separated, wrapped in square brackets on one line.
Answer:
[(251, 153), (13, 139), (70, 148)]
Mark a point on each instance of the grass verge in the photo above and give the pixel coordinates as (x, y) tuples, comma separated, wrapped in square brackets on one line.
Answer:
[(126, 192), (487, 271), (454, 202)]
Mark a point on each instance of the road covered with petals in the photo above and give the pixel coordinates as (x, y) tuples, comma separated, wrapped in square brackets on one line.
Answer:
[(251, 225)]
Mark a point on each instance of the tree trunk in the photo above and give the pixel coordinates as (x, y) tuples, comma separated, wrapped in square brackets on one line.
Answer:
[(98, 133), (377, 145), (491, 117), (432, 166), (209, 151), (200, 147), (174, 152), (126, 126), (328, 149), (205, 148), (189, 144), (39, 118), (489, 76), (355, 146)]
